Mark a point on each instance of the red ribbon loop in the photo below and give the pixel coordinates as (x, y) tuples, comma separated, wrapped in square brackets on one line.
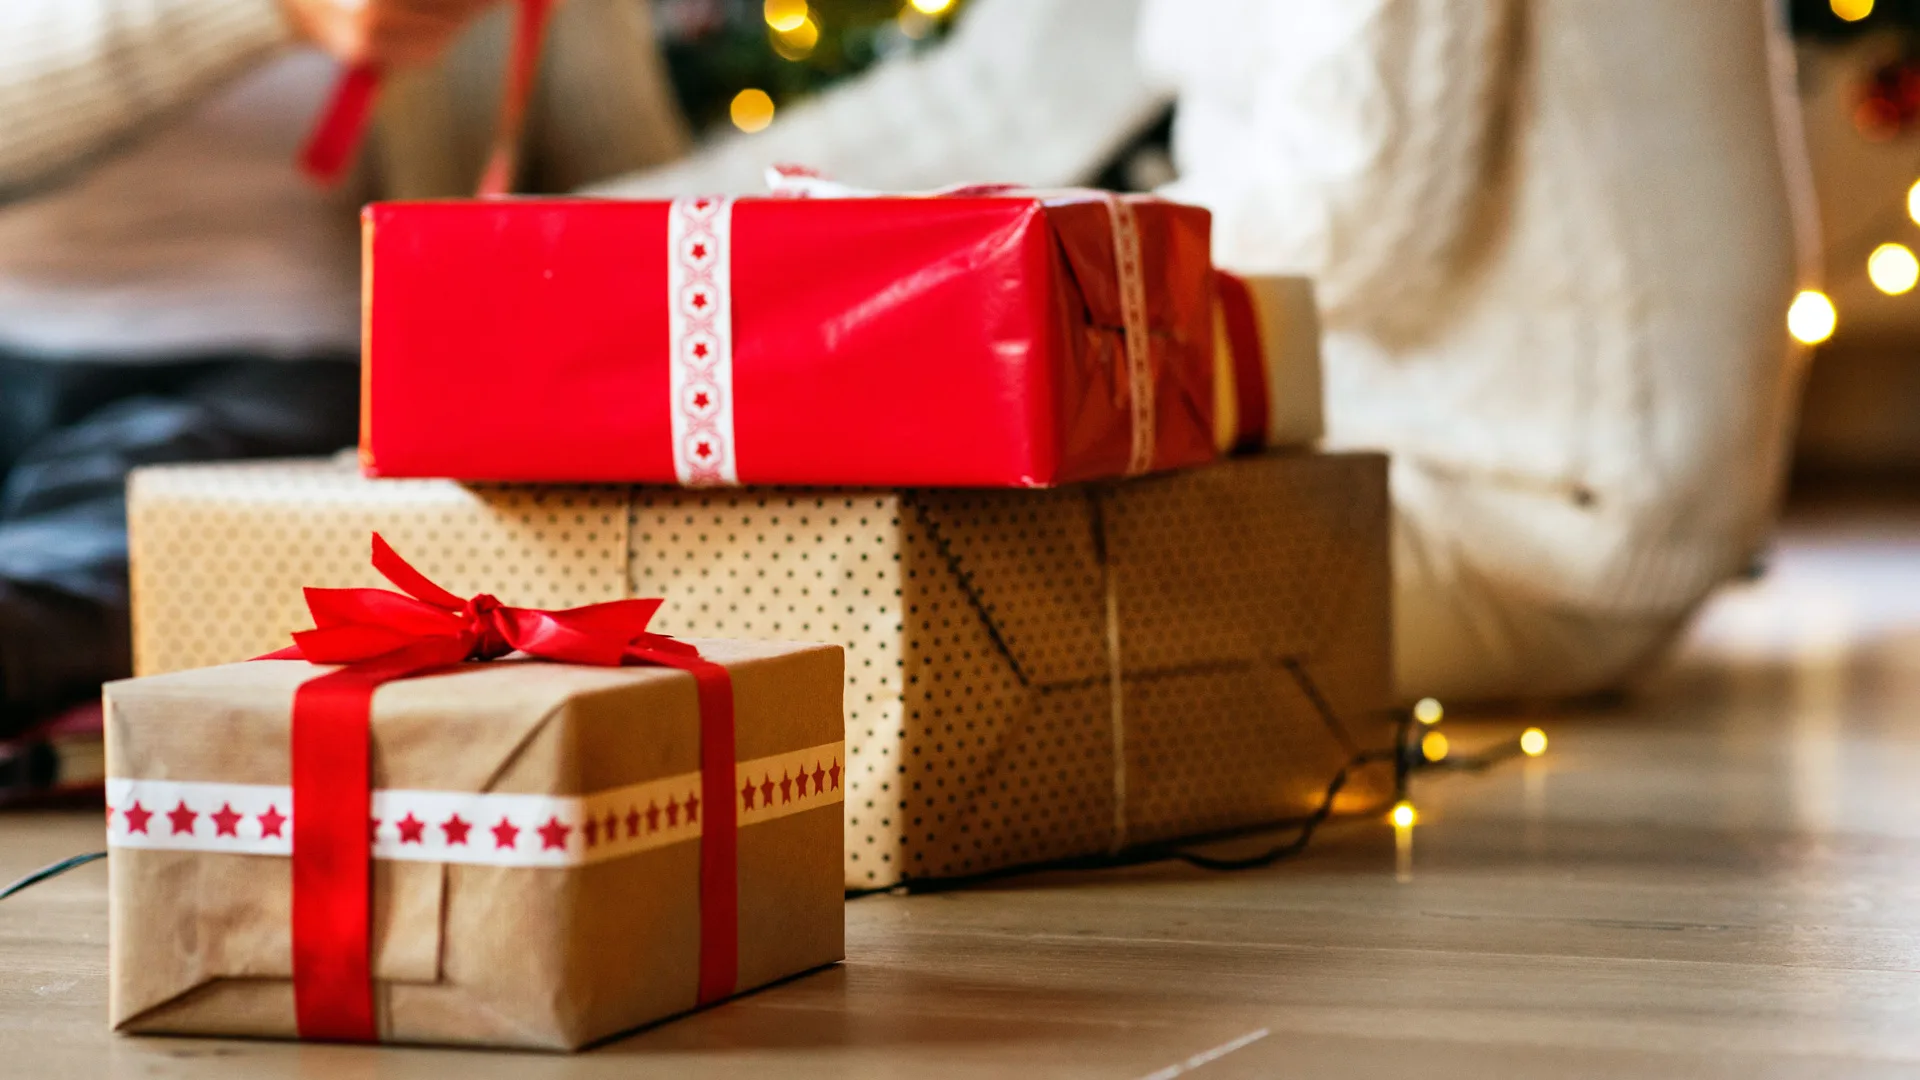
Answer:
[(331, 147), (381, 636)]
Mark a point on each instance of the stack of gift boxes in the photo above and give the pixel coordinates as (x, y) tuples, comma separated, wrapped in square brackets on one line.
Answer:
[(1042, 476)]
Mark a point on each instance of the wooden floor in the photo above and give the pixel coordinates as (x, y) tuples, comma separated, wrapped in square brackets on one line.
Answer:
[(1721, 878)]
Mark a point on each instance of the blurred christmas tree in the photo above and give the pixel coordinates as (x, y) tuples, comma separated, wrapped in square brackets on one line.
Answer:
[(1887, 98), (738, 61), (1836, 20)]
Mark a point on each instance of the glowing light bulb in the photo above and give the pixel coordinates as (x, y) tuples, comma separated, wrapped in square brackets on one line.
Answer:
[(1533, 742), (1893, 269), (1913, 202), (785, 16), (1811, 318), (1851, 10), (936, 7), (1404, 815), (1428, 711), (797, 43), (752, 110), (1433, 746)]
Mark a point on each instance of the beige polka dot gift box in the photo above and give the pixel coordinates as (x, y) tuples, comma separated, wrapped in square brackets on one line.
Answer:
[(1030, 675)]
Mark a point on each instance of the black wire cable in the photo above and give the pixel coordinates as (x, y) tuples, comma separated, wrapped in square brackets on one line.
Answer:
[(53, 871), (1404, 754)]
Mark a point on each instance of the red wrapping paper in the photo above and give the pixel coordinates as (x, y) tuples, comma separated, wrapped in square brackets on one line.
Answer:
[(955, 341)]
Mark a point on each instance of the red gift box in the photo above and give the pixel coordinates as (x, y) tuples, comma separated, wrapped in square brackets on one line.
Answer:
[(996, 341)]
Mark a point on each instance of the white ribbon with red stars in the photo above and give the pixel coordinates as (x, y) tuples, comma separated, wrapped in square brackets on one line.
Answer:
[(700, 340), (483, 828)]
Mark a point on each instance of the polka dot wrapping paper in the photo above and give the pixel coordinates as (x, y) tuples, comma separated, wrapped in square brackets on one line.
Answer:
[(984, 630)]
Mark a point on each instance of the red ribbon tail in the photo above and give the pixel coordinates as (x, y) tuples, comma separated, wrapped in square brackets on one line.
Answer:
[(332, 852), (522, 65), (408, 580), (336, 138), (719, 833), (333, 841)]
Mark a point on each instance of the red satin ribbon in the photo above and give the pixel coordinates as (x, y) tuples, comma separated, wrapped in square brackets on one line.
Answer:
[(1249, 361), (382, 636), (342, 127)]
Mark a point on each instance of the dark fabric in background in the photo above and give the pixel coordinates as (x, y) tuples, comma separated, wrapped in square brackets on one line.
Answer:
[(69, 433)]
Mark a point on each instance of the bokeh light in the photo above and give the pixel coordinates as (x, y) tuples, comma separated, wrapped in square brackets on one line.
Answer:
[(1851, 10), (1811, 319), (1893, 269), (752, 110), (785, 16)]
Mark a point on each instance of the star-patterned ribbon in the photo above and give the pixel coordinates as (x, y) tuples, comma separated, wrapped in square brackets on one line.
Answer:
[(343, 123), (381, 636)]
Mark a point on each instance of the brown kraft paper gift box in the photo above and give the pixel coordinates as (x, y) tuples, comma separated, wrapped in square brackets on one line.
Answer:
[(536, 873), (984, 629)]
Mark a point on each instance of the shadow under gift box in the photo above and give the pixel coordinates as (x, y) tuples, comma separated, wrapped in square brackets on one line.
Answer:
[(896, 341), (982, 628), (536, 874)]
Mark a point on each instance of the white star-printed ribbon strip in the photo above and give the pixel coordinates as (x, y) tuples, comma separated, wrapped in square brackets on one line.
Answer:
[(472, 827), (700, 340), (1133, 321)]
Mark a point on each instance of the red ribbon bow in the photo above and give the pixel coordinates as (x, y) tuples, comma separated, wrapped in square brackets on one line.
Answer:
[(382, 636)]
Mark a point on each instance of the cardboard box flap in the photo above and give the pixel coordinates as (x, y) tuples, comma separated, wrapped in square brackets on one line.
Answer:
[(1030, 563), (1179, 318), (1175, 540), (1084, 234)]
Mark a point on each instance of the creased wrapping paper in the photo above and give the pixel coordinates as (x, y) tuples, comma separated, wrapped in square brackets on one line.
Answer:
[(980, 693), (536, 877)]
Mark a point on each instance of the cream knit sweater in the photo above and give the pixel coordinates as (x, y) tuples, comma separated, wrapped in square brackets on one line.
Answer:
[(1554, 241)]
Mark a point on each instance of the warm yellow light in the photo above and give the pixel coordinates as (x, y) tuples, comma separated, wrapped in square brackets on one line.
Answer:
[(1913, 202), (936, 7), (1428, 711), (1404, 815), (797, 43), (1433, 746), (1851, 10), (1893, 269), (751, 110), (1533, 742), (785, 15), (1811, 319)]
